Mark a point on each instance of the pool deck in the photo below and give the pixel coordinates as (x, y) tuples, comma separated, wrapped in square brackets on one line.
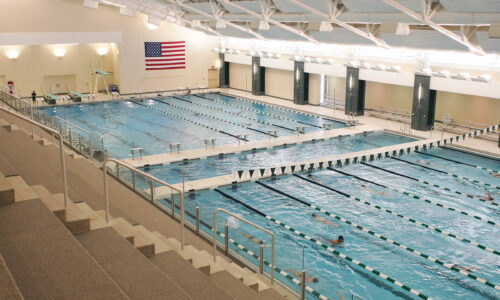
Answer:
[(165, 158), (214, 182)]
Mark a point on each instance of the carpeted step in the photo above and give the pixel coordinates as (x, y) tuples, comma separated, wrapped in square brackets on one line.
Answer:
[(7, 194), (44, 258), (233, 286), (8, 286), (134, 273), (191, 280)]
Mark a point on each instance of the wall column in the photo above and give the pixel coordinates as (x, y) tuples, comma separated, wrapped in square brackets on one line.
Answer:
[(223, 72), (355, 92), (300, 84), (258, 77), (424, 104)]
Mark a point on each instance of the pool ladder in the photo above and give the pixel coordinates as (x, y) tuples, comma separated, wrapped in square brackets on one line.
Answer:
[(352, 119), (405, 128)]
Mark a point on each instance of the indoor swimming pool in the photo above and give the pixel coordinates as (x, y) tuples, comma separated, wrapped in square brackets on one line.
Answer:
[(153, 123), (227, 164), (437, 242)]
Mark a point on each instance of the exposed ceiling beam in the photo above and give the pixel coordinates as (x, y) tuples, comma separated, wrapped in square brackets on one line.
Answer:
[(200, 12), (333, 19), (426, 19), (268, 19)]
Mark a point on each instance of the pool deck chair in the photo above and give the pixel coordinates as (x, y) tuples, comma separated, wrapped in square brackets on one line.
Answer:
[(77, 97), (51, 99)]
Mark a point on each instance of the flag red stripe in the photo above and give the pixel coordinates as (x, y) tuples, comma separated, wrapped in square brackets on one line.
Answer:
[(169, 59), (167, 43), (169, 68), (172, 55), (165, 64), (176, 46)]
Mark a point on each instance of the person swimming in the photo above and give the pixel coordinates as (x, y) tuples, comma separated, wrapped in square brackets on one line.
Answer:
[(323, 220), (299, 275), (372, 190), (424, 162), (469, 269), (495, 174), (336, 242), (311, 176), (487, 197)]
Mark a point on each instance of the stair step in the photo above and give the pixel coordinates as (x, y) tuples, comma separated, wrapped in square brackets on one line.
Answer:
[(96, 222), (234, 287), (46, 260), (54, 203), (142, 243), (7, 194), (8, 286), (11, 127), (120, 225), (191, 280), (3, 123), (76, 220), (134, 273), (253, 282), (160, 245), (22, 191), (43, 141)]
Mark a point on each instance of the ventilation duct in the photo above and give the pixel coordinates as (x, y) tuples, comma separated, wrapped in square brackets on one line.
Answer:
[(395, 28)]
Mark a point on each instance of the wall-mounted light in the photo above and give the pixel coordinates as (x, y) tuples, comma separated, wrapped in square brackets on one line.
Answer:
[(59, 52), (151, 26), (153, 23), (254, 69), (297, 75), (12, 54), (351, 81), (420, 92), (102, 51)]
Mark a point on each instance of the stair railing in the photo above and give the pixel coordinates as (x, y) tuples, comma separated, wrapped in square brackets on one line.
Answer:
[(68, 123), (214, 229), (61, 146), (150, 177)]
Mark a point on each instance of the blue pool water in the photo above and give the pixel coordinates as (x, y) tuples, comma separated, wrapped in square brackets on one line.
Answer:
[(337, 275), (227, 164), (154, 123)]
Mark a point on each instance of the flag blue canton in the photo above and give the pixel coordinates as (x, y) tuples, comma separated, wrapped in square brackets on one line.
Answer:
[(153, 49)]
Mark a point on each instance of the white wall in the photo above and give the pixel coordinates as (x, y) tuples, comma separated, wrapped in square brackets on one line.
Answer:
[(279, 83), (240, 76), (314, 89), (69, 16), (336, 85)]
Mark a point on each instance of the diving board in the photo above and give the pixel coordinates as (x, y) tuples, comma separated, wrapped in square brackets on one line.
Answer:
[(77, 97), (51, 98)]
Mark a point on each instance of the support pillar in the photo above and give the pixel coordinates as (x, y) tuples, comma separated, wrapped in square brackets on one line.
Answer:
[(424, 104), (223, 72), (355, 92), (300, 84), (258, 77)]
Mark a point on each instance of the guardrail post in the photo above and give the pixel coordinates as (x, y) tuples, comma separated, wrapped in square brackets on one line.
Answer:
[(118, 171), (197, 220), (261, 266), (70, 139), (80, 142), (172, 202), (303, 285), (152, 190), (133, 180), (226, 239)]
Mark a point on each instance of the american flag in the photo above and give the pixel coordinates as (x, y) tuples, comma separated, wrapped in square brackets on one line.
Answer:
[(165, 55)]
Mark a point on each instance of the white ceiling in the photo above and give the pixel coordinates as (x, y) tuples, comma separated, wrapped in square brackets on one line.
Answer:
[(442, 30)]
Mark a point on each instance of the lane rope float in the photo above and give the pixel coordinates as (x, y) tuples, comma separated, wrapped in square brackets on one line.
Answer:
[(458, 162)]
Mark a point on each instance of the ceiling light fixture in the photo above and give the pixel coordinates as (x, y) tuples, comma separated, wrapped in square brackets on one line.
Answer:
[(12, 54)]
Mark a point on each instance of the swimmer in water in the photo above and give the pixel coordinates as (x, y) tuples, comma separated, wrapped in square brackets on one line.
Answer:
[(196, 114), (495, 174), (488, 197), (372, 190), (251, 238), (238, 113), (421, 161), (336, 242), (323, 220), (299, 275), (311, 176), (469, 269)]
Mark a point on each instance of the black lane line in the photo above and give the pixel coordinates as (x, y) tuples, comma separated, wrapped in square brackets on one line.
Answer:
[(334, 121), (283, 127), (260, 131), (389, 171), (322, 185), (180, 99), (419, 165), (283, 193), (309, 124), (357, 177), (444, 158), (235, 136), (240, 202), (203, 97), (227, 95), (470, 153)]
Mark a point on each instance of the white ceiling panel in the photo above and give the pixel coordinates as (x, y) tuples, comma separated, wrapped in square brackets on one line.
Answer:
[(233, 32), (340, 36), (203, 6), (478, 6), (488, 44), (277, 33), (289, 7), (251, 5), (423, 39), (379, 6)]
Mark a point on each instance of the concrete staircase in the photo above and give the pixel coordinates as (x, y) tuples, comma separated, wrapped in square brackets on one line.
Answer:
[(55, 252)]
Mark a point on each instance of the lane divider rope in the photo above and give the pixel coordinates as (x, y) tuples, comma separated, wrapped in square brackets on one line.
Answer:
[(440, 231), (401, 191), (459, 162), (448, 173), (433, 184), (409, 249), (330, 249)]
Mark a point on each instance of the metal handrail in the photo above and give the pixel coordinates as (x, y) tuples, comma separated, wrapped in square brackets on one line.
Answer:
[(29, 103), (61, 147), (123, 164), (214, 229), (81, 129)]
